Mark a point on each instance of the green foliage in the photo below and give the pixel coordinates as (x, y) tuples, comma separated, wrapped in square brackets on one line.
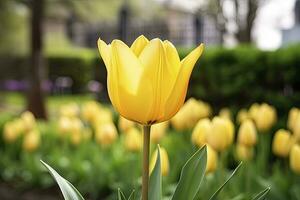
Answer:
[(155, 190)]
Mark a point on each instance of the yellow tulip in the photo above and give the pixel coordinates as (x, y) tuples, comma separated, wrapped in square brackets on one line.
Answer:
[(200, 132), (296, 127), (242, 116), (31, 141), (64, 125), (76, 125), (221, 134), (164, 161), (87, 134), (19, 126), (133, 140), (69, 110), (158, 131), (231, 130), (265, 118), (10, 133), (103, 117), (29, 120), (212, 160), (295, 158), (225, 113), (125, 124), (76, 138), (190, 113), (247, 134), (243, 152), (89, 110), (282, 143), (106, 134), (147, 83), (293, 114), (253, 110)]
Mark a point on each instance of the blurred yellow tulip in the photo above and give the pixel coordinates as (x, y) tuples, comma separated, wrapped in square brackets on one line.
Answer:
[(89, 110), (29, 120), (231, 131), (282, 143), (242, 116), (293, 114), (10, 133), (19, 126), (243, 152), (265, 118), (296, 128), (295, 158), (133, 140), (106, 134), (125, 124), (158, 131), (31, 141), (164, 161), (247, 134), (76, 125), (225, 113), (200, 132), (212, 160), (220, 136), (105, 116), (190, 113), (147, 83), (69, 110), (76, 138), (64, 125), (253, 110)]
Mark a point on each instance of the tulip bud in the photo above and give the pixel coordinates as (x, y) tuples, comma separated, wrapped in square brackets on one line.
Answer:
[(69, 110), (64, 125), (200, 132), (89, 110), (125, 124), (106, 134), (133, 140), (295, 158), (265, 118), (29, 120), (242, 116), (19, 126), (296, 127), (254, 110), (158, 131), (212, 160), (220, 135), (164, 161), (10, 133), (247, 133), (31, 141), (76, 125), (243, 152), (293, 114), (230, 128), (282, 143), (103, 117), (225, 113)]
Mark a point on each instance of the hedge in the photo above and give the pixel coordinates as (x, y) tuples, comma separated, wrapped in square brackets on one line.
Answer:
[(223, 77)]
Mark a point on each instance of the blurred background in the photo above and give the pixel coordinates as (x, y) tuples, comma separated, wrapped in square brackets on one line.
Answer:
[(53, 83)]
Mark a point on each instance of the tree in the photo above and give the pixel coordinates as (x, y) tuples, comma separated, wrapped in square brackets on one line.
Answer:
[(243, 16), (36, 103)]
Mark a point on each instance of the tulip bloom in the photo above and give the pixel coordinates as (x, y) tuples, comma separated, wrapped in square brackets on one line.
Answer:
[(282, 143), (133, 140), (244, 152), (247, 133), (165, 166), (147, 82), (200, 132), (295, 158), (212, 160)]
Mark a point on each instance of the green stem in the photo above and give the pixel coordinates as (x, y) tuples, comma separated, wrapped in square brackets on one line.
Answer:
[(146, 147)]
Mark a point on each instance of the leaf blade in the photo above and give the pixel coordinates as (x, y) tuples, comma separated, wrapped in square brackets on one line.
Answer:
[(68, 190), (191, 176), (155, 180), (262, 195)]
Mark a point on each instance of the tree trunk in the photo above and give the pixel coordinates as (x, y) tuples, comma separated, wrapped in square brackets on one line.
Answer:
[(36, 103)]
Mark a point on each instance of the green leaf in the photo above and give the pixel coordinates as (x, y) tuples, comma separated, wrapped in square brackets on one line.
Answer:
[(155, 180), (261, 195), (191, 176), (132, 196), (121, 196), (214, 196), (68, 190)]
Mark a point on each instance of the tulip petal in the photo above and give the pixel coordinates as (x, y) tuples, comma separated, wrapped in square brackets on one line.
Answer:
[(105, 53), (160, 73), (178, 94), (131, 88), (139, 44), (173, 58)]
